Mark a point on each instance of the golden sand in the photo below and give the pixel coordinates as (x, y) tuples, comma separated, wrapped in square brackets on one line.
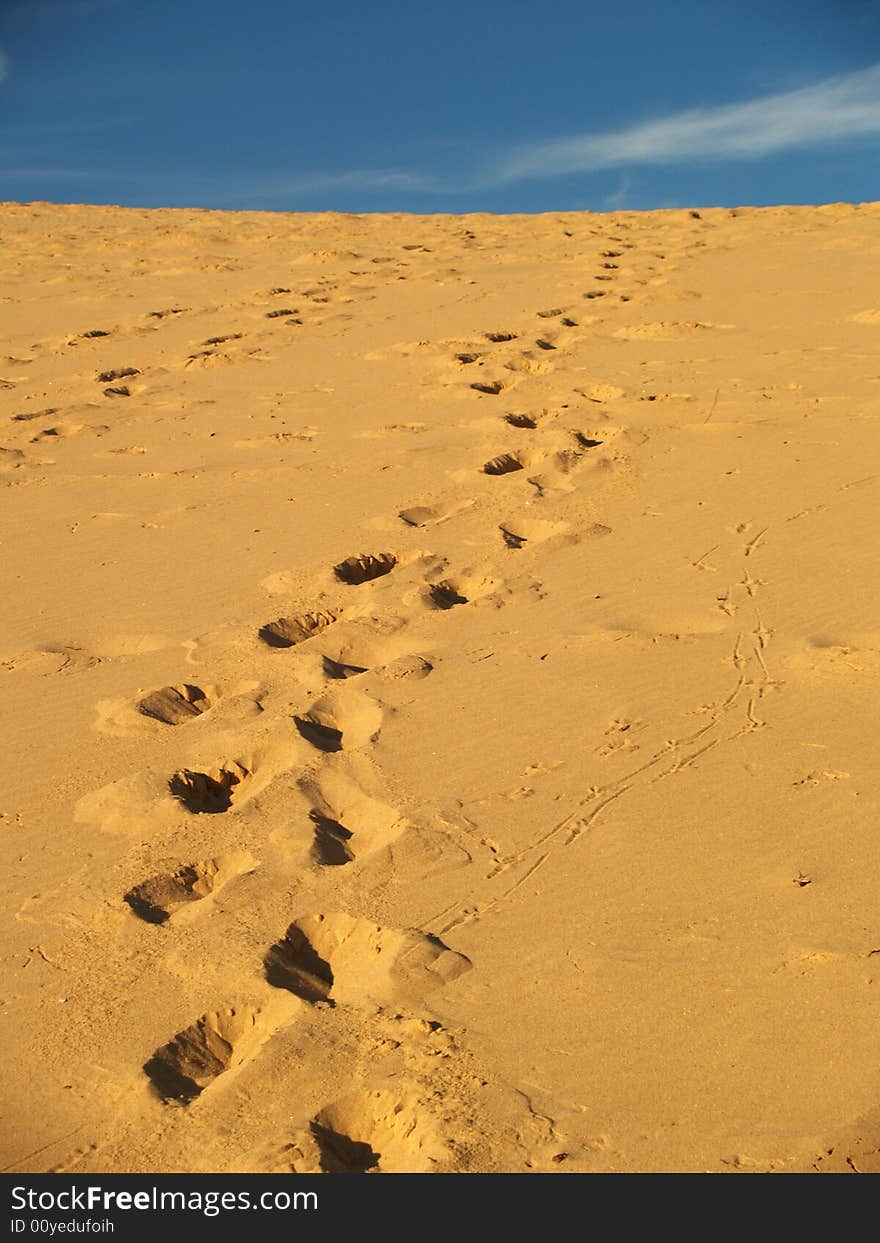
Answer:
[(438, 662)]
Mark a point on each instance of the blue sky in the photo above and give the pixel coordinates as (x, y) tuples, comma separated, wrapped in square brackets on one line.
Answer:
[(464, 105)]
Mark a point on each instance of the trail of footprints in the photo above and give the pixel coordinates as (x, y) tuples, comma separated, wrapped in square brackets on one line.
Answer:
[(332, 959)]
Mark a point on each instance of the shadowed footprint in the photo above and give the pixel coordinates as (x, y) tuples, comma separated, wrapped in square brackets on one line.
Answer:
[(358, 962), (498, 337), (324, 737), (196, 1056), (293, 963), (331, 846), (155, 900), (338, 669), (491, 387), (463, 588), (206, 793), (376, 1131), (342, 1155), (446, 596), (428, 515), (121, 373), (288, 631), (504, 464), (343, 717), (363, 569), (175, 704)]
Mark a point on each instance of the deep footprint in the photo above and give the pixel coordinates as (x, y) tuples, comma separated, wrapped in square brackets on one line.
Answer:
[(175, 704), (183, 1068), (331, 846), (155, 900), (288, 631), (504, 464), (365, 568), (208, 793)]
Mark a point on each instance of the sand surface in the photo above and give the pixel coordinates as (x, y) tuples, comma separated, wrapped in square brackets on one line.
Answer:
[(438, 661)]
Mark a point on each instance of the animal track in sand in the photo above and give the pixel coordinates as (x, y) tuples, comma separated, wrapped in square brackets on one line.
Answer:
[(543, 343), (429, 515), (343, 718), (373, 1131), (95, 332), (120, 373), (498, 337), (528, 421), (505, 464), (207, 793), (551, 314), (365, 568), (120, 390), (289, 631), (155, 900), (182, 1069), (281, 313), (338, 959), (491, 387), (232, 336), (175, 704)]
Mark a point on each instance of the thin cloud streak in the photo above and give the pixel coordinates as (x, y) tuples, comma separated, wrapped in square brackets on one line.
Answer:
[(834, 110), (838, 108)]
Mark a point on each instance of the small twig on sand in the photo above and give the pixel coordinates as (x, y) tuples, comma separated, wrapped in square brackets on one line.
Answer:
[(714, 404)]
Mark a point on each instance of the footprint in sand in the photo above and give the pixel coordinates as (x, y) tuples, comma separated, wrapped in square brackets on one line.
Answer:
[(208, 793), (174, 705), (341, 960), (371, 1132), (156, 900), (290, 631), (430, 515), (120, 373), (506, 463), (216, 1043), (364, 568), (521, 531), (342, 719), (458, 589), (349, 824)]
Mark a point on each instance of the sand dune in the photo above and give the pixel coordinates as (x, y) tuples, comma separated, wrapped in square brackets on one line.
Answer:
[(439, 663)]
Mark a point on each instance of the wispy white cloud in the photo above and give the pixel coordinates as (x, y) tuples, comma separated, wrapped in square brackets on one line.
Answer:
[(836, 109), (831, 111)]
